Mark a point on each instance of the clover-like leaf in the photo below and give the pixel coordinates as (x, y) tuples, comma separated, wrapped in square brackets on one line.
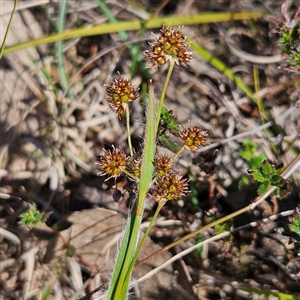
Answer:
[(266, 168), (263, 187), (277, 180), (257, 175)]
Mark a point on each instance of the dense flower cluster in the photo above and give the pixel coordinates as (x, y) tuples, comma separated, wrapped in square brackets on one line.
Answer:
[(134, 165), (119, 92), (112, 162), (193, 137), (169, 45), (170, 187), (163, 165)]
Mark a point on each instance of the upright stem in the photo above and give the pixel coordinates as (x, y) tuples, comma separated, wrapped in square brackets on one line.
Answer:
[(125, 262), (159, 207), (128, 130), (177, 154), (163, 93)]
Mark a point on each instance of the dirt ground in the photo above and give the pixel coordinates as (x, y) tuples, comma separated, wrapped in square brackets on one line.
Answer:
[(50, 139)]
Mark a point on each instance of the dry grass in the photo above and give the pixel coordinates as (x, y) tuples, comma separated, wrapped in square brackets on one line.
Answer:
[(50, 139)]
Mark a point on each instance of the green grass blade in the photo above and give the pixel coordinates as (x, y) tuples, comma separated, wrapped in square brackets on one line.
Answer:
[(7, 28), (119, 286), (59, 47), (120, 260), (111, 18), (155, 22), (135, 50), (149, 150)]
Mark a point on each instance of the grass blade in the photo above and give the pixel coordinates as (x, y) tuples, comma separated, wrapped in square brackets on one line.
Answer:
[(155, 22)]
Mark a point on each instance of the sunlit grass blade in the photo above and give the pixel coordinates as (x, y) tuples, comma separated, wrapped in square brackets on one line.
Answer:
[(155, 22), (7, 28)]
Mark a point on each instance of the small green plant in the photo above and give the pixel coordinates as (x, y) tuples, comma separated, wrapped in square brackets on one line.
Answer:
[(264, 174), (249, 154), (268, 175), (35, 219), (289, 32), (262, 171), (32, 217)]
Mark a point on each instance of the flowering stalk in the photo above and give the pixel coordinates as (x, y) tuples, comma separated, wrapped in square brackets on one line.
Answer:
[(133, 224), (158, 209), (163, 93), (155, 174), (119, 93), (169, 46)]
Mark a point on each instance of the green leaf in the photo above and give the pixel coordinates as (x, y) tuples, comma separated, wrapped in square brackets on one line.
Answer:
[(124, 265), (256, 161), (266, 168), (263, 187), (31, 217), (257, 175), (245, 155), (277, 180)]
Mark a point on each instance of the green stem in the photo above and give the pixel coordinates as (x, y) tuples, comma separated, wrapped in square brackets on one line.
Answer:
[(163, 93), (177, 154), (63, 79), (128, 131), (123, 282), (7, 28), (159, 207), (115, 282), (121, 276), (130, 175)]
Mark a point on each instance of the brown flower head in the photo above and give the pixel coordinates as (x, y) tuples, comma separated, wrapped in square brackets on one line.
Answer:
[(134, 165), (169, 187), (112, 162), (119, 92), (163, 165), (193, 137), (170, 45)]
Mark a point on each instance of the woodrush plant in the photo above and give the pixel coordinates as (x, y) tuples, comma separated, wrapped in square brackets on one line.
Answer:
[(154, 174)]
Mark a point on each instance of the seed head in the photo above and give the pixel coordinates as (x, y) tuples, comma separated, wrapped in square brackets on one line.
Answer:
[(163, 165), (170, 45), (193, 137), (169, 187), (134, 165), (119, 92), (112, 162)]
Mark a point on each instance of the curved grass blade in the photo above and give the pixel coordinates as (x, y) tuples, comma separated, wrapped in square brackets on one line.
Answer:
[(155, 22), (7, 28)]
